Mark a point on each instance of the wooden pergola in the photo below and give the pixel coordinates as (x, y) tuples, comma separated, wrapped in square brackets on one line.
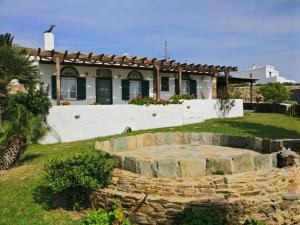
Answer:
[(158, 65)]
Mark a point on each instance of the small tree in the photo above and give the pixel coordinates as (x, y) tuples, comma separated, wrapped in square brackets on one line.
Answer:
[(275, 92)]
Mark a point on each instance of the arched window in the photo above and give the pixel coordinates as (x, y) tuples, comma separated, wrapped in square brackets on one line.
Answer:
[(104, 73), (135, 75), (135, 78), (69, 71)]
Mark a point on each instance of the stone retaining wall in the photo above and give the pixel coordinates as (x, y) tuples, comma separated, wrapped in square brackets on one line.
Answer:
[(173, 167), (272, 196), (261, 145)]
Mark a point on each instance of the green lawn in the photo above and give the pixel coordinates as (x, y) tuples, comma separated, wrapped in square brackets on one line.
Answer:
[(18, 186)]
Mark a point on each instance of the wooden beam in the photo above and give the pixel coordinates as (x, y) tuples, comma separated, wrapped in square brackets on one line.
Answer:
[(77, 56), (179, 80), (65, 55), (226, 72), (58, 90), (157, 68)]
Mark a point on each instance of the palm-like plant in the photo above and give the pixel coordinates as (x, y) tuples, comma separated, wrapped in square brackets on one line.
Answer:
[(20, 129)]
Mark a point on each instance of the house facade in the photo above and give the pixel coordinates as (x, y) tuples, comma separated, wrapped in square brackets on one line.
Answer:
[(84, 85), (88, 78), (264, 74)]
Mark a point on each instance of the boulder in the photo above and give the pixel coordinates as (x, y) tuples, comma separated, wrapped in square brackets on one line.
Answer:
[(243, 163), (167, 167), (286, 158), (219, 166), (192, 168)]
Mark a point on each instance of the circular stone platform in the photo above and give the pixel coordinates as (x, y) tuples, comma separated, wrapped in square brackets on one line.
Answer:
[(191, 160), (184, 155)]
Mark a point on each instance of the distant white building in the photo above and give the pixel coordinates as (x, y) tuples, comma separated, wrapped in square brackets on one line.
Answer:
[(265, 74)]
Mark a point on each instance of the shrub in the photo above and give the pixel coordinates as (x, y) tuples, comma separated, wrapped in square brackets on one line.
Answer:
[(195, 216), (35, 101), (148, 101), (253, 221), (89, 171), (113, 217), (275, 93), (77, 175)]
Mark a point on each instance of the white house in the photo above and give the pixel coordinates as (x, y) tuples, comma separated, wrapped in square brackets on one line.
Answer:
[(85, 79), (98, 86), (264, 74)]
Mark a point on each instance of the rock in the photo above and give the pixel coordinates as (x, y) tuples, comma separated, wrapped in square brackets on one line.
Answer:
[(120, 143), (186, 138), (98, 145), (172, 138), (243, 163), (130, 164), (161, 138), (195, 138), (291, 196), (257, 145), (237, 141), (265, 145), (146, 168), (178, 137), (139, 141), (263, 161), (206, 138), (192, 168), (131, 142), (167, 167), (106, 146), (149, 139), (219, 166), (278, 218), (285, 158)]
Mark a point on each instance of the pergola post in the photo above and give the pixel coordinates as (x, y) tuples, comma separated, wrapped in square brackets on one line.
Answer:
[(180, 80), (157, 68), (251, 94), (58, 88), (214, 90), (226, 72)]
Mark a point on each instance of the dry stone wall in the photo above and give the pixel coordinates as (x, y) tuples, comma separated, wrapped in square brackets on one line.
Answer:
[(270, 195)]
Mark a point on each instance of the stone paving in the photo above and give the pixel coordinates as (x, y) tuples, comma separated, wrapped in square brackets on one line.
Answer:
[(183, 154), (191, 160)]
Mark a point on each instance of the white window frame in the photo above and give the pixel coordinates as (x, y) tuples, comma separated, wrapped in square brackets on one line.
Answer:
[(68, 91)]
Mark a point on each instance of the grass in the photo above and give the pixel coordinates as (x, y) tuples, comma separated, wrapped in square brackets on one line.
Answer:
[(19, 204)]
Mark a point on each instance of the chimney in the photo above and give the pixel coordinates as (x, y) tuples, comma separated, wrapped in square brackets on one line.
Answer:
[(49, 38)]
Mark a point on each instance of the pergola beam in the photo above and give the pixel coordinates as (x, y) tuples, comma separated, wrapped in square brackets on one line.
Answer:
[(168, 65)]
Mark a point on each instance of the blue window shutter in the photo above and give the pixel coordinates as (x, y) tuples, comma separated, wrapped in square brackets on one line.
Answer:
[(125, 89), (145, 88), (81, 88), (193, 87), (53, 87)]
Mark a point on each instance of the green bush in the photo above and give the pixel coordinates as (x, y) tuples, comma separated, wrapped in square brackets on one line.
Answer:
[(88, 171), (275, 93), (35, 101), (75, 176), (253, 221), (115, 216), (195, 216)]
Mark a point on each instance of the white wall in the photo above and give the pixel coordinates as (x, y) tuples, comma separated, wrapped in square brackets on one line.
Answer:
[(204, 90), (263, 74), (102, 120)]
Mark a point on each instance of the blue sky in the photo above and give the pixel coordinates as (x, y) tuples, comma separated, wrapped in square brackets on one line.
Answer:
[(221, 32)]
